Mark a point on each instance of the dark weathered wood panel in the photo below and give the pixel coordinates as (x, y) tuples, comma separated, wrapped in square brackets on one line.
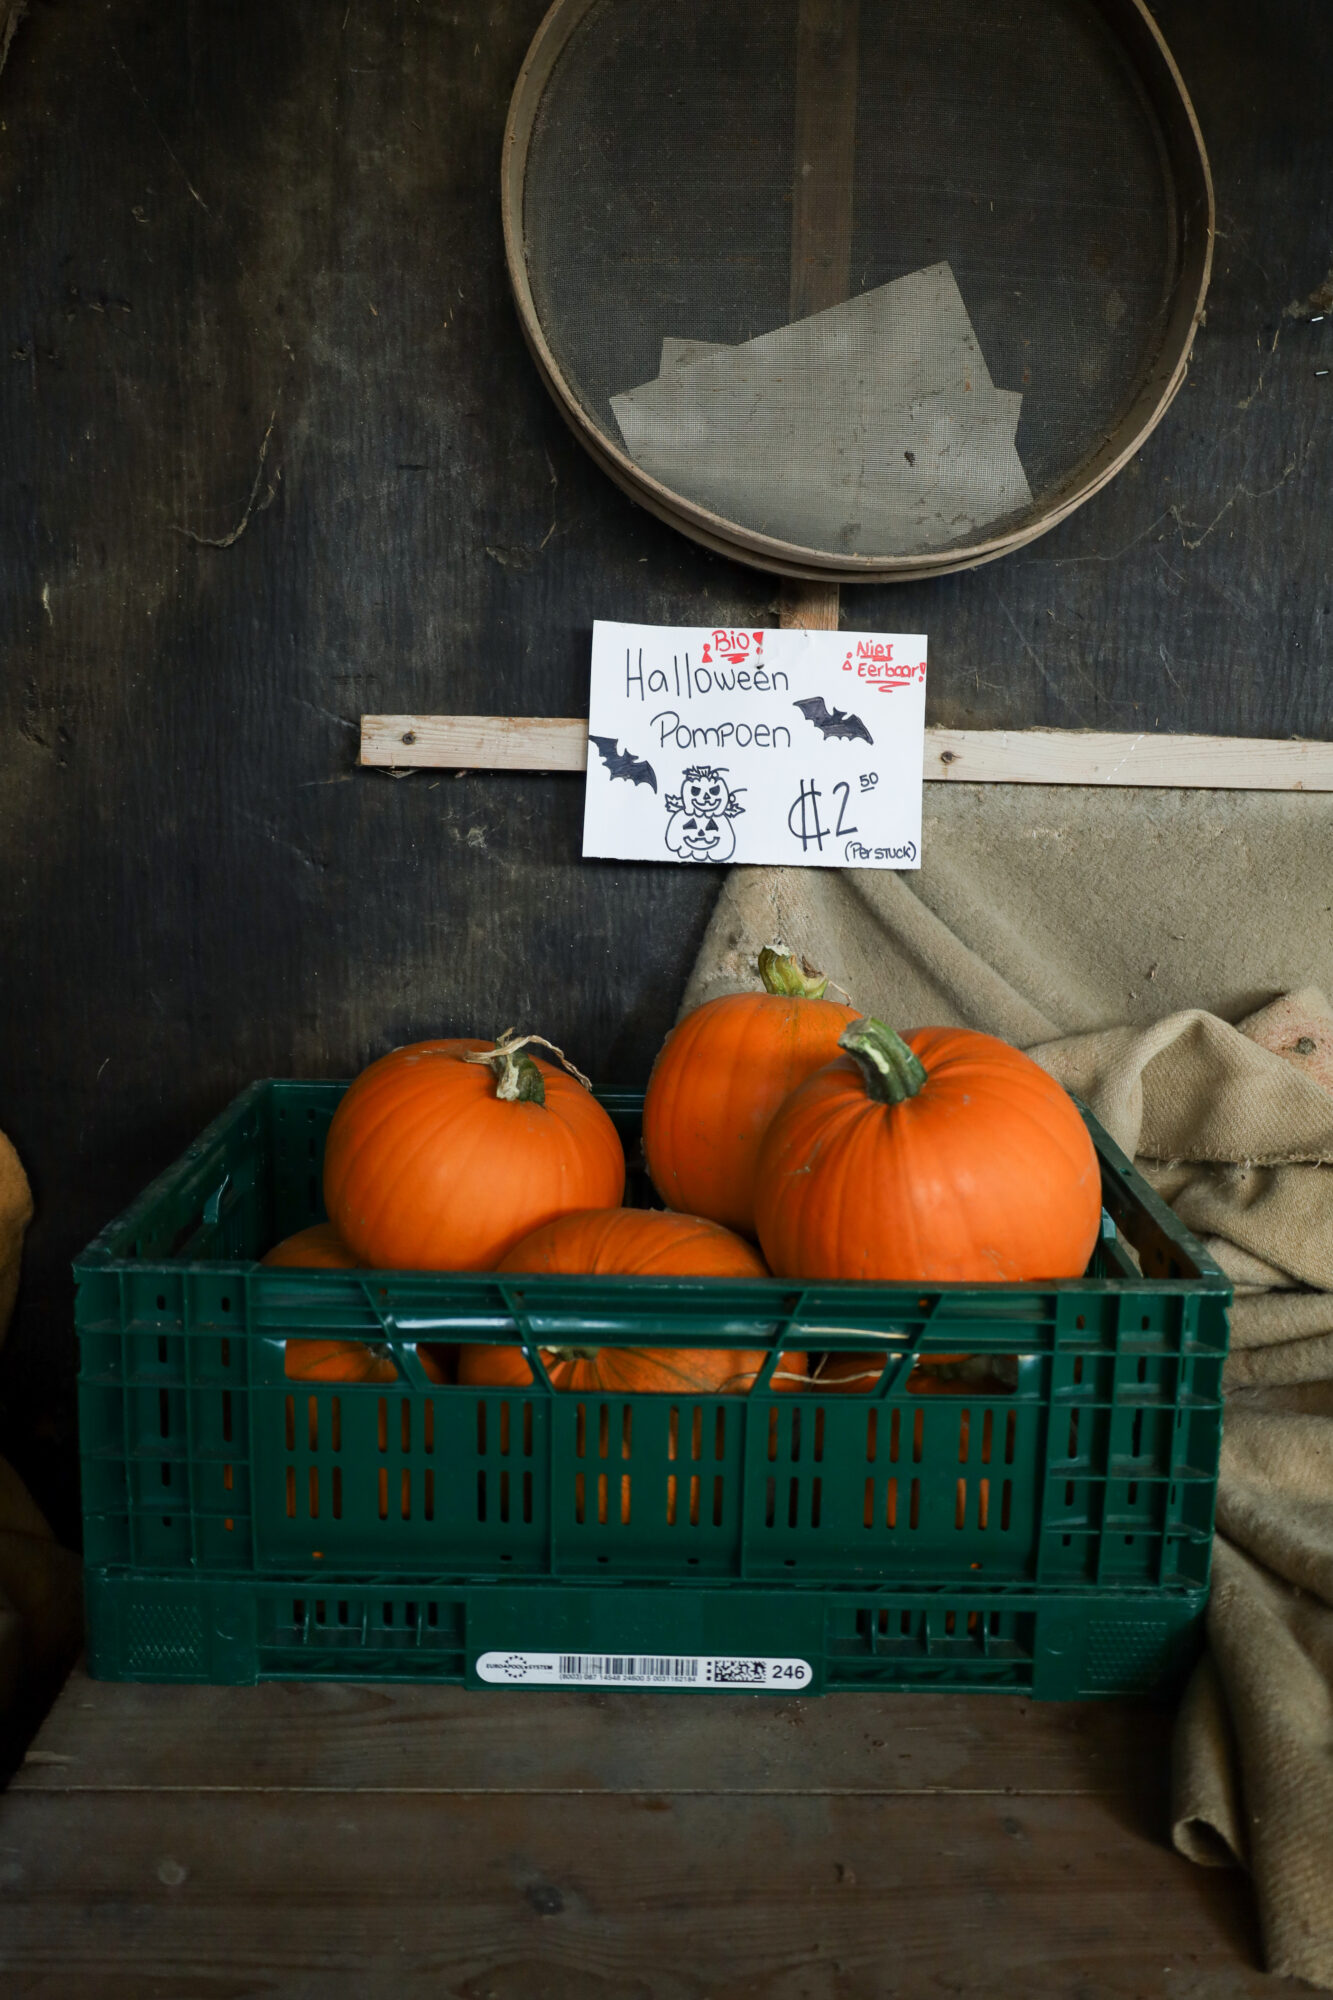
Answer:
[(227, 225), (105, 1736), (819, 1899), (1194, 592), (218, 217)]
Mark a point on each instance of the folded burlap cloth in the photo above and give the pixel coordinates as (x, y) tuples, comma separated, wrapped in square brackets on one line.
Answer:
[(40, 1583), (1110, 934)]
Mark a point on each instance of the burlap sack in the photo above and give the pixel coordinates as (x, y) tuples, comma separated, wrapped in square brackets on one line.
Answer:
[(1204, 1105), (15, 1215), (1118, 936), (15, 1212), (40, 1583), (1045, 910)]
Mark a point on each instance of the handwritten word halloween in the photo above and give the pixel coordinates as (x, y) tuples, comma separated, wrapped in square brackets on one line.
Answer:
[(686, 680)]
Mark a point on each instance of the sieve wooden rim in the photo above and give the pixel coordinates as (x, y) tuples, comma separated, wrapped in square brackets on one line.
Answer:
[(1160, 377)]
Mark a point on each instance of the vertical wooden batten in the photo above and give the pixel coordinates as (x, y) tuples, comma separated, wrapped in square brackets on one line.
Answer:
[(809, 607), (823, 155), (823, 158)]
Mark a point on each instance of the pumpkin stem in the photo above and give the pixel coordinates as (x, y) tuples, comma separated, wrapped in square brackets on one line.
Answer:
[(892, 1073), (518, 1079), (782, 972)]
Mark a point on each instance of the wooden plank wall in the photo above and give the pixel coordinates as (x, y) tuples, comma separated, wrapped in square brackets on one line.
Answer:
[(275, 456)]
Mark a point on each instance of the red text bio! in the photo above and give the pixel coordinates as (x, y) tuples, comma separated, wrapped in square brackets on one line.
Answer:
[(737, 647)]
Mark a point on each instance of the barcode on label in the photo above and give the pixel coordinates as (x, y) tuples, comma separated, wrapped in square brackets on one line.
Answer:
[(659, 1670), (626, 1666)]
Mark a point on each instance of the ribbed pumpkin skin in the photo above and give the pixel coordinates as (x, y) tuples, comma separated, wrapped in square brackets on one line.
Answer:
[(987, 1176), (318, 1248), (628, 1242), (426, 1169), (718, 1079), (636, 1243)]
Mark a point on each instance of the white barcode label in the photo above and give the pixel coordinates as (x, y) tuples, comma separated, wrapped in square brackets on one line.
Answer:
[(659, 1670)]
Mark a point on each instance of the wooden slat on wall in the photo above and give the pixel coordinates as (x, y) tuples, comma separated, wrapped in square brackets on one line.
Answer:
[(971, 756), (475, 742)]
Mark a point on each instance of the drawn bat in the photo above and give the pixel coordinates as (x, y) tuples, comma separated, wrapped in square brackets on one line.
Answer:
[(622, 764), (832, 721)]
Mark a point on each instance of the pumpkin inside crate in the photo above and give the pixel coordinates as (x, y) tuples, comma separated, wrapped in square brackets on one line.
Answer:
[(1046, 1531)]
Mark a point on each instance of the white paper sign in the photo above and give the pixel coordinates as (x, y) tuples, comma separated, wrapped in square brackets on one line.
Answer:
[(802, 749)]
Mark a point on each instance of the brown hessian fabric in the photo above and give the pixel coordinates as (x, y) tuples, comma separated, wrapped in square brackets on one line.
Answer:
[(1167, 957)]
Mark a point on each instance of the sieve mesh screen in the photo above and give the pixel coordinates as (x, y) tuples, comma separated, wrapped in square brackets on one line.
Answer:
[(1010, 147)]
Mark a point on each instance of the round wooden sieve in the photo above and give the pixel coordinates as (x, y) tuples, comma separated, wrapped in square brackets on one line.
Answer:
[(857, 289)]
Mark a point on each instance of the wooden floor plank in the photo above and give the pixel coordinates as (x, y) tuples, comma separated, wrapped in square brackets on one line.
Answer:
[(615, 1898), (343, 1736)]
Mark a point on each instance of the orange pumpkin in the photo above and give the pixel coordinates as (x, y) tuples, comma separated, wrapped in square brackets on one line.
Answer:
[(616, 1371), (319, 1248), (720, 1076), (350, 1361), (628, 1242), (636, 1242), (944, 1158), (443, 1155), (337, 1361)]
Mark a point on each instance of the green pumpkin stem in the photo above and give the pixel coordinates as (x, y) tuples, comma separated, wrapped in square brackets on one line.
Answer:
[(782, 972), (892, 1073), (517, 1078)]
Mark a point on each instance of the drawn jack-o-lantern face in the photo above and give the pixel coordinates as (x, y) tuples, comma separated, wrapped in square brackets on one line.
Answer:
[(702, 823), (703, 797)]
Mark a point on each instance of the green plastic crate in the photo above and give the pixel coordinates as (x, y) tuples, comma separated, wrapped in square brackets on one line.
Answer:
[(1047, 1531)]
